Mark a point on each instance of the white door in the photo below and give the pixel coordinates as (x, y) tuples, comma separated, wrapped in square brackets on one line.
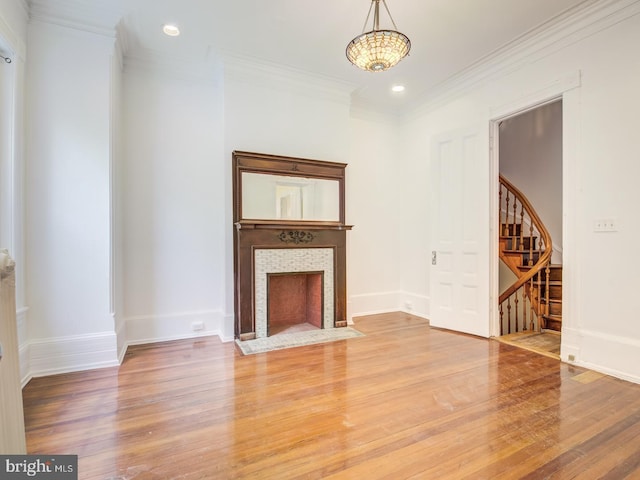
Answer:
[(460, 231)]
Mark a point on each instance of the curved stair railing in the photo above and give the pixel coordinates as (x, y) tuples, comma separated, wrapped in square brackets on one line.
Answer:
[(525, 247)]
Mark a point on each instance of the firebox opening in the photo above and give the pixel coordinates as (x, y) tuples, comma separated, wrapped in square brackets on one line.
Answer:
[(295, 302)]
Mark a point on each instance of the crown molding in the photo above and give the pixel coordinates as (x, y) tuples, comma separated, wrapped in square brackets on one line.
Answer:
[(358, 111), (8, 33), (286, 78), (574, 25), (207, 70), (121, 45), (24, 9), (100, 19)]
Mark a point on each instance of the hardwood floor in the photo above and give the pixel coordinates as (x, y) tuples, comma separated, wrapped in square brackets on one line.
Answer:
[(545, 342), (404, 401)]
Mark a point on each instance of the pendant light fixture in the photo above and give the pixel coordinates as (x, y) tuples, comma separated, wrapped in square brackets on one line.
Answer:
[(378, 50)]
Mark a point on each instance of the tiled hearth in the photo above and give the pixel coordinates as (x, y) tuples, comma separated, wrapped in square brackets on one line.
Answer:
[(291, 260)]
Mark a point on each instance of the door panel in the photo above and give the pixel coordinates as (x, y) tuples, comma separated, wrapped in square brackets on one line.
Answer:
[(460, 232)]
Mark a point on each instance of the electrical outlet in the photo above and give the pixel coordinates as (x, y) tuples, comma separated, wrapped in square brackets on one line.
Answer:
[(408, 305), (605, 225), (197, 325)]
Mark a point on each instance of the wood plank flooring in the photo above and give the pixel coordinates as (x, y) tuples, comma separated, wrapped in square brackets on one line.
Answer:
[(546, 342), (405, 401)]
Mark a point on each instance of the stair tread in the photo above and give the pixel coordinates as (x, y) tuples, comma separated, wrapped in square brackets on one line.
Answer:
[(551, 300), (557, 318), (551, 265), (526, 250)]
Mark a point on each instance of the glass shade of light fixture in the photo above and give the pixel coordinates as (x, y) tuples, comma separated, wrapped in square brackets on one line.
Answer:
[(378, 50), (171, 30)]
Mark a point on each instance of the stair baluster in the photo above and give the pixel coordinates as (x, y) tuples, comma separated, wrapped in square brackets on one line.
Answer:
[(506, 215), (516, 301), (532, 313), (524, 309), (502, 232), (521, 229), (547, 282)]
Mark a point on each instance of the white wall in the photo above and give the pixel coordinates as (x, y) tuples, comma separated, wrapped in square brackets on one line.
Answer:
[(68, 199), (414, 256), (174, 204), (117, 162), (591, 60), (375, 204)]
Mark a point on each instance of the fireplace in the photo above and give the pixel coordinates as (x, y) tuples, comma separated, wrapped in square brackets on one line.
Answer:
[(280, 261), (277, 261), (294, 302)]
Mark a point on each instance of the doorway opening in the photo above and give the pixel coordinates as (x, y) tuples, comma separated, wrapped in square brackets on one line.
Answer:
[(530, 146)]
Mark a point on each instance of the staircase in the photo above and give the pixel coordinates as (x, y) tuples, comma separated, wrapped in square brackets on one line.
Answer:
[(534, 301)]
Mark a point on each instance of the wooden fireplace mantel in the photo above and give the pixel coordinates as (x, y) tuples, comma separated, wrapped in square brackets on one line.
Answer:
[(251, 234)]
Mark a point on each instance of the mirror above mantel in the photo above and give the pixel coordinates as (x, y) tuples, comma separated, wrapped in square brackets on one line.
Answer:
[(289, 198), (271, 189)]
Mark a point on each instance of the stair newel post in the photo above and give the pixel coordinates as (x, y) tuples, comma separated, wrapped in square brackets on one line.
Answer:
[(500, 210), (506, 214), (531, 243), (515, 218), (524, 308), (516, 301), (533, 290), (539, 298), (547, 274)]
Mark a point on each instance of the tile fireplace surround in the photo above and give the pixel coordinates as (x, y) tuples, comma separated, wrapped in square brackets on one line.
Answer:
[(263, 249)]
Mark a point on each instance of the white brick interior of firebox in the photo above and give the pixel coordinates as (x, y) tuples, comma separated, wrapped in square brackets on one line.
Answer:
[(290, 260)]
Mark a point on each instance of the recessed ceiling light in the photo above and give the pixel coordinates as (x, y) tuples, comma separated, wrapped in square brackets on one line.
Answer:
[(398, 88), (171, 30)]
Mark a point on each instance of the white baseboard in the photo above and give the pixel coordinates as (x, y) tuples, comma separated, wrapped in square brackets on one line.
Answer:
[(162, 328), (372, 304), (609, 354), (25, 367), (23, 346), (385, 302), (121, 338), (415, 304), (227, 331), (51, 356)]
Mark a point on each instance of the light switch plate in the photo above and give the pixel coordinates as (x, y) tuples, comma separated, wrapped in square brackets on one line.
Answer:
[(605, 225)]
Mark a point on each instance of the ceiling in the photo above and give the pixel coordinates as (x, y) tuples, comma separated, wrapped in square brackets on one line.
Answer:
[(446, 35)]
